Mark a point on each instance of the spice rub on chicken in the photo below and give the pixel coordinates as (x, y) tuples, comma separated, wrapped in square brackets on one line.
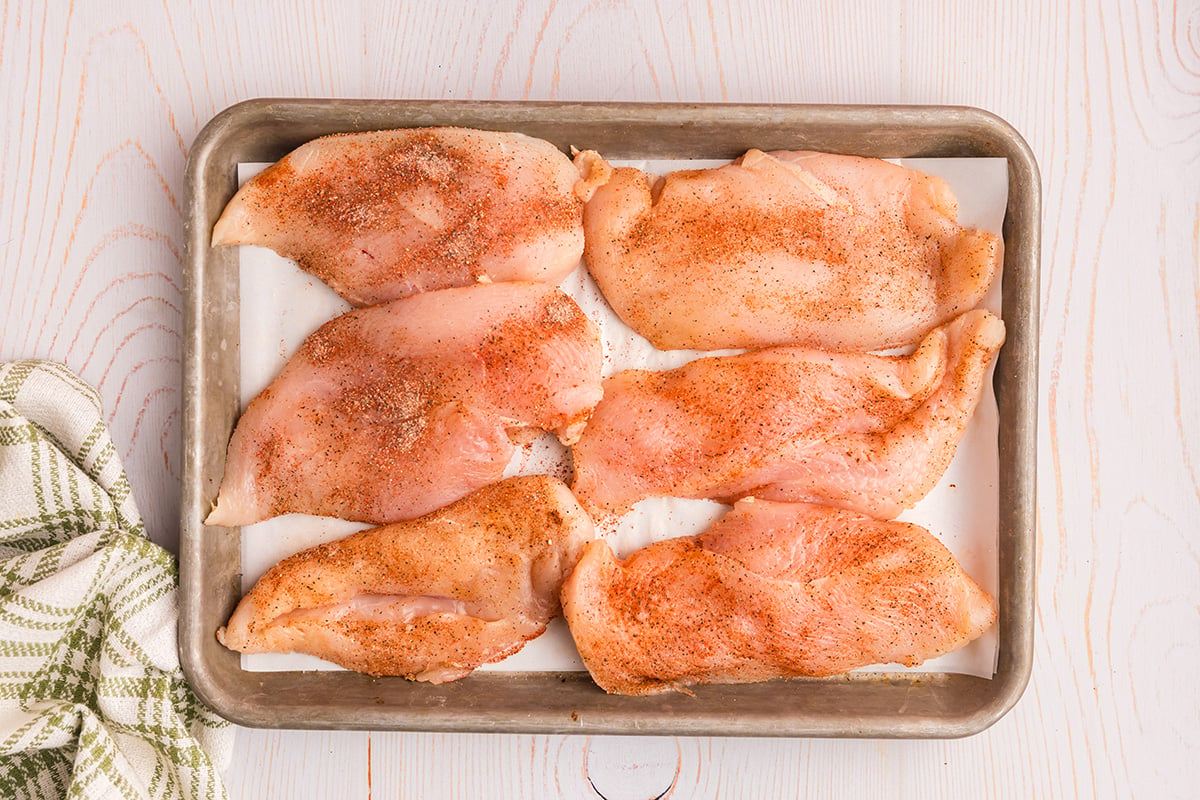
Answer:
[(783, 248), (385, 214), (772, 590), (430, 599), (389, 412), (864, 432)]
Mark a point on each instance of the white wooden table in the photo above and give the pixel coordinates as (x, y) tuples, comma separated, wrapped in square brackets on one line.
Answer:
[(102, 100)]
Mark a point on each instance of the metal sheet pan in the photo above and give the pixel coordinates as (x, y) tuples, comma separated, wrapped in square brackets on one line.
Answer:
[(894, 705)]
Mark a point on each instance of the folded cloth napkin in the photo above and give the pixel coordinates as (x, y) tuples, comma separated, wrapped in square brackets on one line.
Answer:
[(92, 700)]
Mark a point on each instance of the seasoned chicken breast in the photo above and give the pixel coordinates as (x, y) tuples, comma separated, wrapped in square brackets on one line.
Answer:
[(389, 412), (784, 248), (773, 590), (864, 432), (430, 599), (385, 214)]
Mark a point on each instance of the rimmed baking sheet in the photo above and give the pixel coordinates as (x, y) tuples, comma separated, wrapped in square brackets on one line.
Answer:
[(929, 704)]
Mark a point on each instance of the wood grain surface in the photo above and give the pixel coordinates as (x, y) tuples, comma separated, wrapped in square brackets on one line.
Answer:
[(102, 100)]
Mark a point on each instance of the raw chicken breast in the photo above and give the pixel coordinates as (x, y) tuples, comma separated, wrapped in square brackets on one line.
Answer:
[(864, 432), (389, 412), (785, 248), (385, 214), (773, 590), (430, 599)]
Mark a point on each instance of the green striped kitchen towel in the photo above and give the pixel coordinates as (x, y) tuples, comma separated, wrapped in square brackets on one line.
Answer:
[(92, 700)]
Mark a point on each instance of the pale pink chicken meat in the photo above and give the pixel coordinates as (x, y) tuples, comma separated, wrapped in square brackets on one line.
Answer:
[(864, 432), (388, 412), (772, 590), (385, 214), (782, 248), (430, 599)]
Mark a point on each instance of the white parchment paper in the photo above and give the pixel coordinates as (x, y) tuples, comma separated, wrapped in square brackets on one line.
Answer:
[(282, 305)]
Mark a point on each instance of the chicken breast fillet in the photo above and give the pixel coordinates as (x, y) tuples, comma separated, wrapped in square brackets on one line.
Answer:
[(783, 248), (773, 590), (385, 214), (389, 412), (863, 432), (430, 599)]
